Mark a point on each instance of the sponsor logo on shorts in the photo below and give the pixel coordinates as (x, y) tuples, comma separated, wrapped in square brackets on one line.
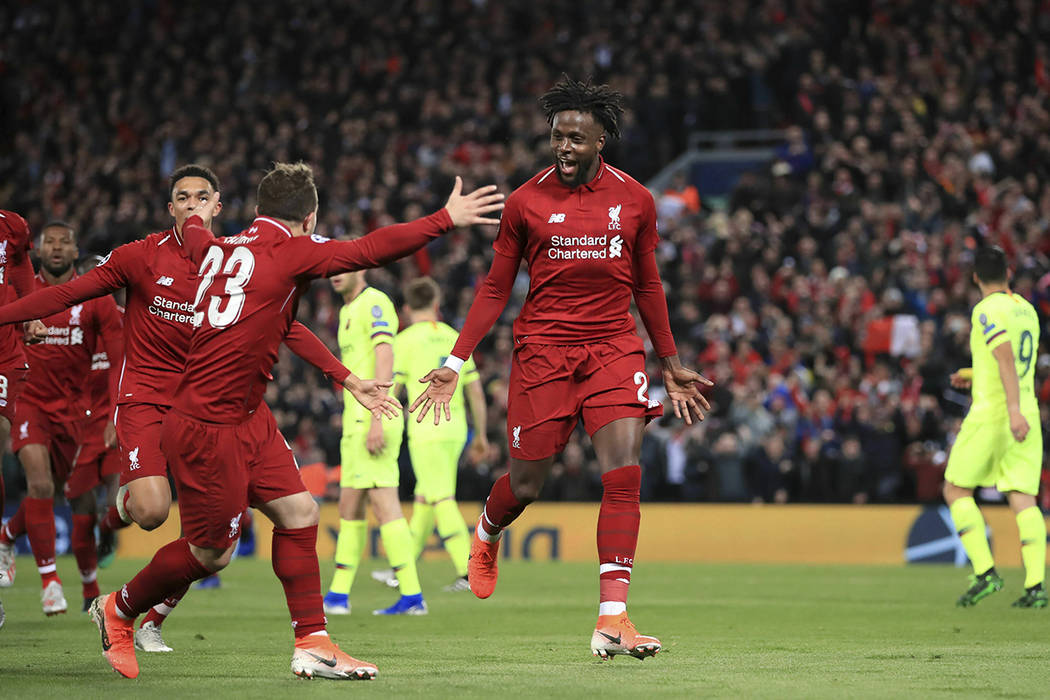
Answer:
[(133, 459), (517, 437)]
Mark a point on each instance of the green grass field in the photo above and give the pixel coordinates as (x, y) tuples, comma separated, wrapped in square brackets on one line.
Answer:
[(727, 630)]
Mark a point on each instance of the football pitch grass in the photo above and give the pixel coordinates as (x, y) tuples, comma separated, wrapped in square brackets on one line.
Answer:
[(727, 630)]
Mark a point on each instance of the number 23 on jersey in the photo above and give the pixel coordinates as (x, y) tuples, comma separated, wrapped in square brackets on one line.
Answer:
[(225, 307)]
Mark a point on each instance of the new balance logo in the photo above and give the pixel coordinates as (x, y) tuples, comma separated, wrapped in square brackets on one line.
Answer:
[(614, 218), (133, 459), (165, 281), (517, 437), (556, 219), (615, 245)]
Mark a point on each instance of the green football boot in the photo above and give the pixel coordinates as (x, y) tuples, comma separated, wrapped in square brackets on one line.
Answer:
[(1034, 597), (981, 586)]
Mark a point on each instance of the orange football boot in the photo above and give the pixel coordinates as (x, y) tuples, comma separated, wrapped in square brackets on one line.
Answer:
[(482, 566), (118, 636), (615, 634), (317, 656)]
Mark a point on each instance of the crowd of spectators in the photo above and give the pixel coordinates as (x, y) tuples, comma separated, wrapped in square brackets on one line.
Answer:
[(829, 298)]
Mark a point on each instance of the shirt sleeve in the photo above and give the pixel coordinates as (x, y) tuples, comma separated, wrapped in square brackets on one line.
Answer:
[(489, 303), (308, 346), (19, 267), (317, 256), (110, 275), (512, 234), (993, 330), (110, 325), (382, 322), (648, 288), (195, 239)]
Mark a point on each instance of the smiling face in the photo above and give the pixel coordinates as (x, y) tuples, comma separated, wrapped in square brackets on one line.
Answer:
[(576, 141)]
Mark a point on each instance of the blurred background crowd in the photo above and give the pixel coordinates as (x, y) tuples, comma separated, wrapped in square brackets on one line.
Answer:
[(828, 294)]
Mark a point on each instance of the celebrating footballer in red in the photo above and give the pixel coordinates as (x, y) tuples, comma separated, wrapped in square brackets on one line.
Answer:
[(587, 232), (222, 443)]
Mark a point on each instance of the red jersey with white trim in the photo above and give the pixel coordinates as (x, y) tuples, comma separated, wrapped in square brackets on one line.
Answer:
[(247, 297), (60, 367), (16, 276), (160, 280), (588, 249)]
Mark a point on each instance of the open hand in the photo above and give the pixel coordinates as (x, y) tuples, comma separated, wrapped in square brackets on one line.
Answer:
[(682, 386), (466, 210), (443, 382), (372, 394)]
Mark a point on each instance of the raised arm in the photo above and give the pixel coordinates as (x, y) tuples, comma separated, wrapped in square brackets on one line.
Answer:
[(390, 243)]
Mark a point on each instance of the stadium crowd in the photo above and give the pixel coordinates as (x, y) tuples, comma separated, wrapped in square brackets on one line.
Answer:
[(829, 299)]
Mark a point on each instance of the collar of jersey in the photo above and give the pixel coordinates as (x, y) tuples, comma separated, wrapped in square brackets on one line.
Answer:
[(590, 185), (275, 223)]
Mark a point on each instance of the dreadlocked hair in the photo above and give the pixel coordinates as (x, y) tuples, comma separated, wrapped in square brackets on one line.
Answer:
[(600, 101)]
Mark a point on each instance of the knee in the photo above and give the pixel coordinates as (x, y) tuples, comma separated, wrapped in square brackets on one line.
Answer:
[(526, 490), (150, 518), (40, 489), (214, 560), (309, 513), (952, 493)]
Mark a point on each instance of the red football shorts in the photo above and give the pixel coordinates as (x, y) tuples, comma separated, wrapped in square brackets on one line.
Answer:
[(138, 440), (93, 461), (34, 426), (553, 386), (12, 379), (220, 469)]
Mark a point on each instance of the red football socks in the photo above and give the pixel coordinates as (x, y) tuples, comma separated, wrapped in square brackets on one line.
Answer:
[(15, 527), (112, 522), (501, 508), (85, 553), (295, 563), (40, 527), (172, 569), (159, 612), (618, 522)]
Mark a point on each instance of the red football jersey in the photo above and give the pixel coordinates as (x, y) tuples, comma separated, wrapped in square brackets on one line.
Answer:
[(160, 280), (247, 297), (587, 248), (60, 367), (16, 277)]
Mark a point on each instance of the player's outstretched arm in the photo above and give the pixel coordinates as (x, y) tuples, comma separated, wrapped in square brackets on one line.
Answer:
[(309, 347), (442, 382), (373, 395), (51, 300), (390, 243), (683, 389)]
